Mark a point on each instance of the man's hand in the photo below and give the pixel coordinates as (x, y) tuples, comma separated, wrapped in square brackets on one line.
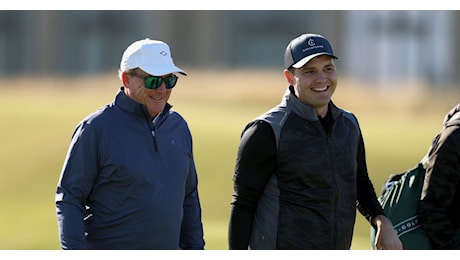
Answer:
[(386, 237)]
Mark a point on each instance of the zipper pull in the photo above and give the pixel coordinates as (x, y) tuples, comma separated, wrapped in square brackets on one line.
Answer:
[(154, 141)]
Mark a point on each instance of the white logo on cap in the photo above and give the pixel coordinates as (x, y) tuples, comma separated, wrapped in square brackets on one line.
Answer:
[(312, 45), (163, 53)]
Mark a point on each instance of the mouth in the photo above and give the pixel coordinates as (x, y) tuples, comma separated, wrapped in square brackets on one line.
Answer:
[(159, 98), (322, 89)]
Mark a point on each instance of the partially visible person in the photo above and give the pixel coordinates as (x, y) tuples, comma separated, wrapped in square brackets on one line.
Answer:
[(301, 166), (439, 208), (129, 179)]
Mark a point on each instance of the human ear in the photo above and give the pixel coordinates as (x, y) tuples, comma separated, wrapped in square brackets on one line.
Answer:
[(125, 78), (289, 77)]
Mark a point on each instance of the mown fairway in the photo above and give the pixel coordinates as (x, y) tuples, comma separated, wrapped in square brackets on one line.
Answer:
[(37, 117)]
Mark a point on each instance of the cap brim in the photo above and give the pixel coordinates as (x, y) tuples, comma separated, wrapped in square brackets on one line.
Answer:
[(305, 60), (163, 70)]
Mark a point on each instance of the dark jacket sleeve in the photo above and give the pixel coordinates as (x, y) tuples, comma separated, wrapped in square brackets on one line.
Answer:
[(367, 203), (255, 164), (192, 227), (77, 179), (438, 210)]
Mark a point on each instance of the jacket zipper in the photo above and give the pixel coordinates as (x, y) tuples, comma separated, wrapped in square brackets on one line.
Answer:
[(154, 140), (151, 127)]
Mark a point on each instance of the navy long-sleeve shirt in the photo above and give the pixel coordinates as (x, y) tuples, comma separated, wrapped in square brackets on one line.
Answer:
[(129, 184)]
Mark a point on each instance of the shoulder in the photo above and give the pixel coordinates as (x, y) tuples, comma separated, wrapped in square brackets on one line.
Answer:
[(346, 114), (98, 117), (92, 123), (257, 127), (176, 118)]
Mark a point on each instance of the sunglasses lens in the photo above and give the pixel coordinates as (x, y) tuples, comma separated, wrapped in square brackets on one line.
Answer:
[(153, 82), (171, 81)]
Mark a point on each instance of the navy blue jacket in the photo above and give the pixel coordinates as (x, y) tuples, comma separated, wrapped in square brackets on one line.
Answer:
[(129, 184)]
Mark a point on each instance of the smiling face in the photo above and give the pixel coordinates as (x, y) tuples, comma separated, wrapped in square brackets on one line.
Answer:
[(154, 99), (315, 82)]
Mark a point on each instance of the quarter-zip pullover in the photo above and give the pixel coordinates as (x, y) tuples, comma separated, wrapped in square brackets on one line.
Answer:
[(129, 184)]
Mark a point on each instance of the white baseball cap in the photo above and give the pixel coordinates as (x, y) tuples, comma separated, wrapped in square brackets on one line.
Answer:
[(151, 56)]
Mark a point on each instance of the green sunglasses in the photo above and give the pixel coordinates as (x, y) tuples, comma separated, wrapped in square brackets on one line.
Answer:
[(152, 82)]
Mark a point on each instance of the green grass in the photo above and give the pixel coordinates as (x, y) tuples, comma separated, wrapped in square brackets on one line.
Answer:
[(36, 123)]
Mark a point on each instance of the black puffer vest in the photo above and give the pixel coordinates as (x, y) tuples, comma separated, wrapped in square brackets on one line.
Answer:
[(314, 188)]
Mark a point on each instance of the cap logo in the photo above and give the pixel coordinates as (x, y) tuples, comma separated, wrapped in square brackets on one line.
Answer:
[(163, 53), (312, 45)]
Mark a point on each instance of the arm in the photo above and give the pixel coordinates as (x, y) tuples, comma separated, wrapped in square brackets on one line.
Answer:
[(75, 183), (192, 227), (254, 166), (368, 205)]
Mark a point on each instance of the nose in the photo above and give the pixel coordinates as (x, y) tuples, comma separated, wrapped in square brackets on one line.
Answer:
[(162, 87), (321, 76)]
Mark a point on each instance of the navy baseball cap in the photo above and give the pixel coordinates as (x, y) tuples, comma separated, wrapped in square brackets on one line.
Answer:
[(304, 48)]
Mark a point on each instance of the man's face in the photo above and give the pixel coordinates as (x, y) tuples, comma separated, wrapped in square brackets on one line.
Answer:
[(154, 99), (315, 82)]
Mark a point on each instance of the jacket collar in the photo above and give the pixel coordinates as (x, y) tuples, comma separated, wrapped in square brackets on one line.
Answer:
[(305, 111), (453, 117), (131, 106)]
